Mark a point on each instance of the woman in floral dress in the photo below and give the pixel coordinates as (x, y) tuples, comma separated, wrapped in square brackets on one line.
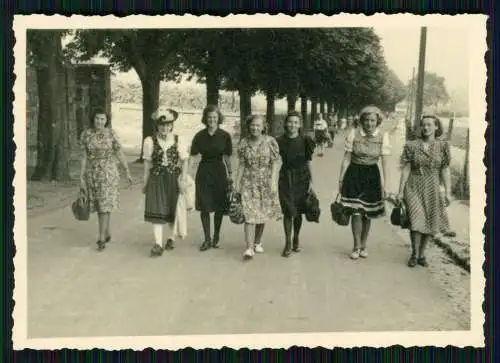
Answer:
[(425, 164), (257, 180), (99, 175)]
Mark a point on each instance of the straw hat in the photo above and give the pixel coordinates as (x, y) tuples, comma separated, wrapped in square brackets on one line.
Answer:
[(166, 115)]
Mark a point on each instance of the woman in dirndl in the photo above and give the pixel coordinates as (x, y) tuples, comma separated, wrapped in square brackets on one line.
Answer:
[(165, 171), (425, 164), (360, 185)]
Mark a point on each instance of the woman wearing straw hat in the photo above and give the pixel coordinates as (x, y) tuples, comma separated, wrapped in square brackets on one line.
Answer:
[(165, 169), (360, 185)]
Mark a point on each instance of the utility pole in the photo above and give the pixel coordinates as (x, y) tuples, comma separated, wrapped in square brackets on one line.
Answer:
[(411, 100), (420, 82)]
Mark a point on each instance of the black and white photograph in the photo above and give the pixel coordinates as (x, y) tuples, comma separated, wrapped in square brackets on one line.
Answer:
[(249, 181)]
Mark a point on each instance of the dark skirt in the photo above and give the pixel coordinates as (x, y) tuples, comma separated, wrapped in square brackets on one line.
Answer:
[(320, 136), (293, 185), (211, 187), (362, 191), (162, 192)]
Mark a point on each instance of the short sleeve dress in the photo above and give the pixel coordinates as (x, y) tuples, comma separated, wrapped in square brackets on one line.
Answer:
[(422, 195), (211, 177), (101, 174), (259, 203), (295, 175)]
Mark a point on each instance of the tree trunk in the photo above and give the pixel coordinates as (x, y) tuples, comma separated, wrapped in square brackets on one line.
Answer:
[(329, 106), (322, 107), (213, 81), (150, 101), (270, 97), (245, 108), (52, 159), (314, 109), (303, 111), (291, 100)]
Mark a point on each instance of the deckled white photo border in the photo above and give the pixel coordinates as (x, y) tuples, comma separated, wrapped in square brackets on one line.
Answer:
[(476, 25)]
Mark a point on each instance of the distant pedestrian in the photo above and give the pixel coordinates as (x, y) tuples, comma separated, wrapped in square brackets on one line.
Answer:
[(257, 181), (99, 175), (295, 178), (360, 184), (332, 128), (425, 164), (214, 175), (320, 134), (165, 172)]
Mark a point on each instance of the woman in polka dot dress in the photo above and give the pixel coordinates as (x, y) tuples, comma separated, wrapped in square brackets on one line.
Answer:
[(425, 164)]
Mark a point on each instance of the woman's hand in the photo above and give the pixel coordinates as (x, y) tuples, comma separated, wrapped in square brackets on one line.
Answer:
[(274, 187), (448, 199), (129, 177)]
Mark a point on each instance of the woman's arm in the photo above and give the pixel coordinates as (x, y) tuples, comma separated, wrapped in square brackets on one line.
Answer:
[(123, 160), (343, 167), (446, 180), (385, 174), (83, 168), (147, 170), (227, 162), (405, 173)]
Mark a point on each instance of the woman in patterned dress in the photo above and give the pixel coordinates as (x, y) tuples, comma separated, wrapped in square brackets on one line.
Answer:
[(214, 173), (257, 182), (295, 178), (360, 184), (425, 164), (165, 170), (99, 175)]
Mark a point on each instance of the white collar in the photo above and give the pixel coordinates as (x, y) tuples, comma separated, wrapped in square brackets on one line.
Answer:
[(363, 133)]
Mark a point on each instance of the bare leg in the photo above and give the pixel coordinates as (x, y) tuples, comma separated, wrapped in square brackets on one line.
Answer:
[(259, 231), (357, 228), (367, 222), (249, 235), (421, 251)]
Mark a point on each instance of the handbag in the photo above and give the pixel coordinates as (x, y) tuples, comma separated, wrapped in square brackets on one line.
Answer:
[(338, 212), (81, 206), (399, 215), (236, 209), (312, 210)]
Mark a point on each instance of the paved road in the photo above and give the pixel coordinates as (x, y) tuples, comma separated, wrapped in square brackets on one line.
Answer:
[(75, 291)]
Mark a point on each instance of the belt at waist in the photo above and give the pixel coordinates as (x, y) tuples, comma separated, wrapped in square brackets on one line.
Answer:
[(211, 160)]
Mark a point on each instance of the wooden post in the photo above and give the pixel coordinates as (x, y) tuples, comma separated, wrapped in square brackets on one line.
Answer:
[(420, 81), (465, 181), (408, 120), (450, 127)]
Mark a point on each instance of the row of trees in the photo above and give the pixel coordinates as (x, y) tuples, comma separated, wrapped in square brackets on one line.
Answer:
[(341, 68), (344, 67)]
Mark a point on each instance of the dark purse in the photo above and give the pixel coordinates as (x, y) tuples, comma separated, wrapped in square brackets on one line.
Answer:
[(339, 214), (81, 206), (236, 209), (312, 210), (399, 215)]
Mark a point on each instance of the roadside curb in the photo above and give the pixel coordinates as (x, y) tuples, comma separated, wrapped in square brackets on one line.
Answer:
[(457, 257)]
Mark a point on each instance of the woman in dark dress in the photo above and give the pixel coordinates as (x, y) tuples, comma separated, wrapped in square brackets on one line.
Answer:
[(214, 173), (295, 178)]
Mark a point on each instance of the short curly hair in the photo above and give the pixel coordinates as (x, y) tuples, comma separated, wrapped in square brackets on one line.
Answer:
[(252, 117), (99, 111), (207, 110), (368, 110), (437, 122)]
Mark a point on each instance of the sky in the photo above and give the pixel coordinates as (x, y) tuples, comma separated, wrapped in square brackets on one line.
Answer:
[(446, 53)]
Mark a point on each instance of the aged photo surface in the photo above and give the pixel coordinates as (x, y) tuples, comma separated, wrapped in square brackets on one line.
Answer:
[(249, 181)]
